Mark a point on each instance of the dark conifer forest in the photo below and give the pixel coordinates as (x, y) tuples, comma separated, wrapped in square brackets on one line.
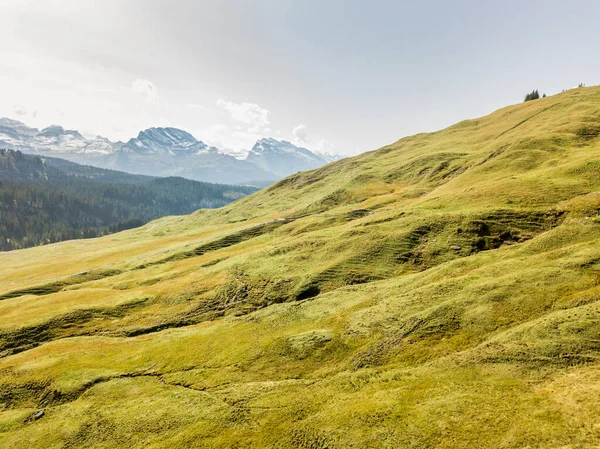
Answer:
[(45, 200)]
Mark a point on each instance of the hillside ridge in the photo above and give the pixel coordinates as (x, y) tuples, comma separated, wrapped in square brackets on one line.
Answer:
[(441, 291)]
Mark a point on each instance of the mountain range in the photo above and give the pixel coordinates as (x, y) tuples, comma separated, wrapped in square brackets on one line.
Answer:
[(164, 152)]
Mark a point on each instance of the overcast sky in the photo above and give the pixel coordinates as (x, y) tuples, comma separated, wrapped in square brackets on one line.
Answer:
[(338, 75)]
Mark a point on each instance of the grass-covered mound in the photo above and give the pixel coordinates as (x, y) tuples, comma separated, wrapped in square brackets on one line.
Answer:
[(440, 292)]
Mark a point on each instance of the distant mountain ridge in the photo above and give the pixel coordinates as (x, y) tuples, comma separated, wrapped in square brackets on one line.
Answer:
[(283, 158), (164, 152), (18, 136), (174, 152)]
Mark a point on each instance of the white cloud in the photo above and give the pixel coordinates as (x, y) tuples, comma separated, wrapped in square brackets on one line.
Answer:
[(301, 134), (250, 114), (251, 124), (147, 89), (301, 138), (226, 137), (324, 146)]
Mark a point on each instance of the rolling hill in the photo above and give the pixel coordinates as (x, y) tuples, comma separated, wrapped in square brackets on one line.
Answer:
[(442, 291)]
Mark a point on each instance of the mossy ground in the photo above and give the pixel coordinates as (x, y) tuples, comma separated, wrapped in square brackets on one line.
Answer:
[(440, 292)]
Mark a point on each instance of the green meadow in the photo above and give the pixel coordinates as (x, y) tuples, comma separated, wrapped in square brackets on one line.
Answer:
[(440, 292)]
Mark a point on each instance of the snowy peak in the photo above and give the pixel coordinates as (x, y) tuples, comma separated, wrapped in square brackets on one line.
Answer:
[(283, 158), (58, 132), (51, 140), (269, 145), (268, 142), (99, 146), (59, 139), (15, 124), (163, 141), (167, 137), (14, 133)]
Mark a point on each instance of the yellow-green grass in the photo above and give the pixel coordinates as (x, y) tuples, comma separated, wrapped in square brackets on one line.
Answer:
[(439, 292)]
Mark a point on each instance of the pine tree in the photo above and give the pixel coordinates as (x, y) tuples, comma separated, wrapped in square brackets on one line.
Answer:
[(534, 95)]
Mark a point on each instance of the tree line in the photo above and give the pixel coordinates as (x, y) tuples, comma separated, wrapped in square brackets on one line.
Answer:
[(535, 94)]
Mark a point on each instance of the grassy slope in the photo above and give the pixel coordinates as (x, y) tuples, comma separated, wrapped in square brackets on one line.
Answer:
[(440, 292)]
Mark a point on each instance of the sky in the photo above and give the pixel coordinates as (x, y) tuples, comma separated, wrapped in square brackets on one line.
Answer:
[(337, 76)]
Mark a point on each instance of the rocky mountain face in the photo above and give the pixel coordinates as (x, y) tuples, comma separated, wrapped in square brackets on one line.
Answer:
[(164, 142), (164, 152)]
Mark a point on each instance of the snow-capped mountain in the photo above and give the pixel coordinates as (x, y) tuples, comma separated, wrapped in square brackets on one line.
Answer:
[(162, 141), (99, 146), (59, 139), (14, 132), (173, 152), (53, 140), (283, 158), (163, 152)]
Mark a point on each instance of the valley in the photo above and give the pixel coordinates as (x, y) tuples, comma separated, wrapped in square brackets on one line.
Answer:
[(45, 200)]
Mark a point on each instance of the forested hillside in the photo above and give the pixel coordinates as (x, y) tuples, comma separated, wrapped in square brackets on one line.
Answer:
[(44, 200)]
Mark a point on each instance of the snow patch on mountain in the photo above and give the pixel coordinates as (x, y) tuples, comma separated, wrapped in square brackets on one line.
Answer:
[(100, 146)]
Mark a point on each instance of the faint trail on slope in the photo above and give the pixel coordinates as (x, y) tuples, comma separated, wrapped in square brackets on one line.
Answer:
[(526, 120)]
